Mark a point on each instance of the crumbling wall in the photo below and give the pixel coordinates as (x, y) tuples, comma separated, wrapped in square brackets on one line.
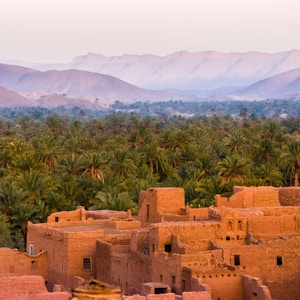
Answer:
[(253, 288), (248, 197), (27, 288), (196, 236), (289, 196), (14, 262)]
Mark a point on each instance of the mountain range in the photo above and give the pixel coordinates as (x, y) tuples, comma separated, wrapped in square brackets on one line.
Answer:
[(92, 80)]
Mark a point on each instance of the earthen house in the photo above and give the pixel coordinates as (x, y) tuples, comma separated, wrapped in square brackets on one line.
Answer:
[(246, 247)]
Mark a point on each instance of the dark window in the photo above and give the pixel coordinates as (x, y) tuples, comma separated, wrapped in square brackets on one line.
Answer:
[(240, 225), (160, 290), (168, 248), (86, 263), (56, 219), (279, 261), (148, 212), (236, 260), (183, 285), (227, 238)]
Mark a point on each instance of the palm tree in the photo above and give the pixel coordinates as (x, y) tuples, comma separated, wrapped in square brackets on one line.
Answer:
[(48, 150), (93, 162), (270, 174), (155, 157), (121, 163), (207, 188), (290, 159), (71, 164), (234, 168), (36, 184), (112, 199), (10, 196), (235, 141), (5, 233)]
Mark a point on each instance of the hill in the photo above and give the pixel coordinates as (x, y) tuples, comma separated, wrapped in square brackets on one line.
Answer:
[(78, 84), (183, 70), (284, 85)]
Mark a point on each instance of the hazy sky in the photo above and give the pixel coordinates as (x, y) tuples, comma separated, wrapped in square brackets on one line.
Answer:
[(58, 30)]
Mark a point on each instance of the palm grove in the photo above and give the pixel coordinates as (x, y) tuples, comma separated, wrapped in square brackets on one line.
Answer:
[(55, 163)]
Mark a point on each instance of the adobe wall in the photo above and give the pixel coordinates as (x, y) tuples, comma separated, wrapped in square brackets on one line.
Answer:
[(193, 236), (44, 238), (224, 285), (197, 214), (66, 243), (75, 215), (14, 262), (276, 262), (247, 197), (172, 296), (276, 225), (81, 245), (289, 196), (27, 288), (155, 202), (253, 288)]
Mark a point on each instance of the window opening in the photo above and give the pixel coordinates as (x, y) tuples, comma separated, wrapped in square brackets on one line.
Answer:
[(239, 225), (168, 248), (160, 290), (279, 261), (56, 219), (86, 262), (227, 238), (237, 260), (148, 212), (31, 249)]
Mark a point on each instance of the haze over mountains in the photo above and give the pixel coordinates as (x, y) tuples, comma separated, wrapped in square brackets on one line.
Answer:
[(178, 76)]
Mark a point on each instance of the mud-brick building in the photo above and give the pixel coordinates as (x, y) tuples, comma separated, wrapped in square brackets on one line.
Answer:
[(244, 248)]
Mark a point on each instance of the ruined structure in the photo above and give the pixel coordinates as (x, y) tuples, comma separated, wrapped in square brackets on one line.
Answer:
[(244, 248)]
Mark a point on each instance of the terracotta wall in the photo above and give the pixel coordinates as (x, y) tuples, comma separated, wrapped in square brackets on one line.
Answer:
[(75, 215), (276, 225), (155, 202), (14, 262), (66, 250), (248, 197), (289, 196), (195, 235), (27, 288), (253, 288), (276, 262)]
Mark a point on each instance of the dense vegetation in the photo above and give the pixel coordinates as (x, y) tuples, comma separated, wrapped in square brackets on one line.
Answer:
[(51, 162)]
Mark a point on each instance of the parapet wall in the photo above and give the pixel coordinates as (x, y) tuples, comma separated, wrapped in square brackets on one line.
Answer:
[(249, 197), (27, 288), (14, 262), (289, 196)]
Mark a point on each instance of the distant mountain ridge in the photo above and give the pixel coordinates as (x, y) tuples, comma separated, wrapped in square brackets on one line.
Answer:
[(77, 84), (181, 76), (183, 70)]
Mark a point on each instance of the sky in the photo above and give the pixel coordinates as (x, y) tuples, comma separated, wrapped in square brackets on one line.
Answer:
[(58, 30)]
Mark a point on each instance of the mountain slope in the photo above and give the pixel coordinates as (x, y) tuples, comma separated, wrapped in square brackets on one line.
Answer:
[(77, 83), (276, 86), (188, 71), (11, 99)]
